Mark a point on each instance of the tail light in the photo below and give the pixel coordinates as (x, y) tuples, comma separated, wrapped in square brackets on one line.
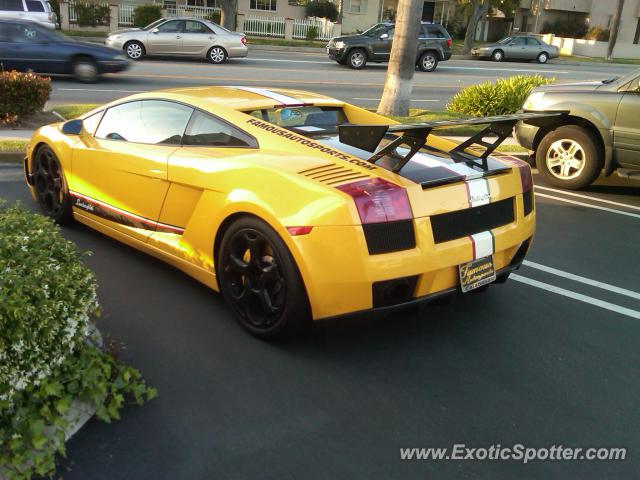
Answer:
[(244, 40), (379, 200), (449, 42)]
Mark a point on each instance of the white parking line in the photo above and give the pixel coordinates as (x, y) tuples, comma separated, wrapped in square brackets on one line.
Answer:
[(377, 99), (503, 69), (588, 205), (586, 281), (602, 200), (577, 296)]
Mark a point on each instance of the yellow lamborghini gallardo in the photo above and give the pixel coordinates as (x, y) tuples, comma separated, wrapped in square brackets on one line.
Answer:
[(294, 205)]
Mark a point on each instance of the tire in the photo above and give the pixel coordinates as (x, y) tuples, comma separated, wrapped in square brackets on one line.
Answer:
[(497, 55), (569, 157), (543, 57), (217, 55), (134, 50), (428, 61), (357, 58), (264, 291), (342, 62), (51, 187), (85, 70)]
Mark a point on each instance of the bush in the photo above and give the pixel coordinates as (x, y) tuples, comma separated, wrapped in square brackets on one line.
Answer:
[(322, 9), (599, 34), (143, 15), (215, 17), (47, 301), (312, 33), (92, 15), (503, 97), (566, 28), (22, 94)]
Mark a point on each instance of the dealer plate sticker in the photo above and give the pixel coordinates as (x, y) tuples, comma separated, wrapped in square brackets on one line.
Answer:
[(476, 273)]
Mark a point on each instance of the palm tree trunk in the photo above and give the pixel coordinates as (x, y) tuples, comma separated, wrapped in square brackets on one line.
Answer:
[(480, 9), (229, 11), (396, 96), (614, 29)]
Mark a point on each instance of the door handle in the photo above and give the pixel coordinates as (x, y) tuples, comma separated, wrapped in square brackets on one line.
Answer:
[(178, 36)]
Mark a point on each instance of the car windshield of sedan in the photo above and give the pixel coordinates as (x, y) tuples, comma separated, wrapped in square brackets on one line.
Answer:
[(307, 119), (505, 40), (153, 25)]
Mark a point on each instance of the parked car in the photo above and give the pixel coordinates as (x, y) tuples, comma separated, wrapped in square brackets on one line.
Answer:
[(189, 37), (374, 44), (26, 45), (521, 47), (39, 11), (601, 130)]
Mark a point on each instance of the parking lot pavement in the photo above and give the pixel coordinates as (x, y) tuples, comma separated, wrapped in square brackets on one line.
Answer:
[(549, 358)]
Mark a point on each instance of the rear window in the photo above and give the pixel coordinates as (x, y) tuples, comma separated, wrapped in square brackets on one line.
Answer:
[(11, 5), (34, 6), (304, 119)]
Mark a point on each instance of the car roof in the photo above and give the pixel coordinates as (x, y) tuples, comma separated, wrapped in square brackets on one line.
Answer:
[(238, 97)]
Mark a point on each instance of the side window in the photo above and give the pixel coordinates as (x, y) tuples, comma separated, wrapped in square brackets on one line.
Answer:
[(532, 41), (173, 26), (153, 122), (434, 32), (12, 5), (26, 34), (518, 41), (191, 26), (207, 131), (90, 123), (34, 6)]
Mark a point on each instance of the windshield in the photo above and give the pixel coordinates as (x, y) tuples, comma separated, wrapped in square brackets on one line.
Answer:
[(153, 25), (622, 80), (304, 119), (377, 29), (504, 40)]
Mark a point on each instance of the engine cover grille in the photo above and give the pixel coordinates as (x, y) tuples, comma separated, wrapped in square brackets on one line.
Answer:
[(389, 236)]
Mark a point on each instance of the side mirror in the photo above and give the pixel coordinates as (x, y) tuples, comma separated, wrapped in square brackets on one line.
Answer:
[(384, 36), (155, 30), (72, 127)]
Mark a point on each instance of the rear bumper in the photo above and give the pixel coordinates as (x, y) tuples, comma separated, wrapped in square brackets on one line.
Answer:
[(339, 274), (237, 52), (446, 55)]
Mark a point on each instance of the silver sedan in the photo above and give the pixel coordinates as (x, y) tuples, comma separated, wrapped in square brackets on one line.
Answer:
[(520, 47), (189, 37)]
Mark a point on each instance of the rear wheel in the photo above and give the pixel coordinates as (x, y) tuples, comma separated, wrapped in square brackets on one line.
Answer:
[(51, 188), (569, 157), (428, 61), (260, 281), (497, 55), (357, 58), (543, 57), (85, 70), (217, 55), (134, 50)]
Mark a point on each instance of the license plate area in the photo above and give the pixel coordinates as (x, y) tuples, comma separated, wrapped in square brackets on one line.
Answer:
[(476, 273)]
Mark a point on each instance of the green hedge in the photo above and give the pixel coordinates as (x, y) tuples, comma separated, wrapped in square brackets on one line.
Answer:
[(22, 94), (143, 15), (502, 97), (47, 302), (92, 15), (322, 9)]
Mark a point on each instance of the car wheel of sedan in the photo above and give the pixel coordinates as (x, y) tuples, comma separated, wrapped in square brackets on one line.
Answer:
[(543, 57), (134, 50), (428, 62), (260, 281), (217, 55), (51, 188), (357, 58), (497, 56), (85, 70), (569, 157)]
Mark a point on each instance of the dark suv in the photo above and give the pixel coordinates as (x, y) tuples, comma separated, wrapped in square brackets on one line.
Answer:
[(374, 44)]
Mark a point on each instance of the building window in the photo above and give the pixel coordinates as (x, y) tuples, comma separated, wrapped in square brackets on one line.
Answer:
[(268, 5), (195, 3), (636, 38), (358, 6)]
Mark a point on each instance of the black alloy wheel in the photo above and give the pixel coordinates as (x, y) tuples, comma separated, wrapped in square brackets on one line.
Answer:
[(50, 186)]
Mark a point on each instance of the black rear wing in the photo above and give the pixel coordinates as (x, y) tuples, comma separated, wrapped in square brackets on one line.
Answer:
[(414, 135)]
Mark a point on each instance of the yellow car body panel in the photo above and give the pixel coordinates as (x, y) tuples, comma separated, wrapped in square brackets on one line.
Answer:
[(174, 202)]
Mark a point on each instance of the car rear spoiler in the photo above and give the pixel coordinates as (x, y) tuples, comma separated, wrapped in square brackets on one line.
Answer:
[(414, 135)]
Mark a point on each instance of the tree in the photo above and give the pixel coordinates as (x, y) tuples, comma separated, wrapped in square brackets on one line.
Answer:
[(396, 96), (229, 10), (615, 26), (480, 10)]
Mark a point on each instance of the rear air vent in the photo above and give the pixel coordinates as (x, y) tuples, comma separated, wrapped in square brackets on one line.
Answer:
[(332, 174)]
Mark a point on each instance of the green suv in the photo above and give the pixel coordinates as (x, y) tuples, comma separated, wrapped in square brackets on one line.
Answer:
[(601, 130), (374, 44)]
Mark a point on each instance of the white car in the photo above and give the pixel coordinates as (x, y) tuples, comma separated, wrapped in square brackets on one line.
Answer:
[(39, 11)]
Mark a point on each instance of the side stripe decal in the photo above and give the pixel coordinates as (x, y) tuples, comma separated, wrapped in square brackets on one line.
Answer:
[(115, 214), (278, 97)]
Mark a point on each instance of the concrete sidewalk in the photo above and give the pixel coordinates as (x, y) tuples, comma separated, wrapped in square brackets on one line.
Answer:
[(16, 134)]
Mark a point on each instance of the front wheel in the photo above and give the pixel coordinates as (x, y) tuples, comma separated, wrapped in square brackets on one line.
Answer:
[(428, 62), (497, 56), (134, 50), (217, 55), (357, 58), (543, 57), (51, 188), (260, 281), (569, 157), (85, 70)]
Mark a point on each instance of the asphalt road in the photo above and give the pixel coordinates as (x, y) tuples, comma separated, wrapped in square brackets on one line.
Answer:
[(517, 364), (315, 72)]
